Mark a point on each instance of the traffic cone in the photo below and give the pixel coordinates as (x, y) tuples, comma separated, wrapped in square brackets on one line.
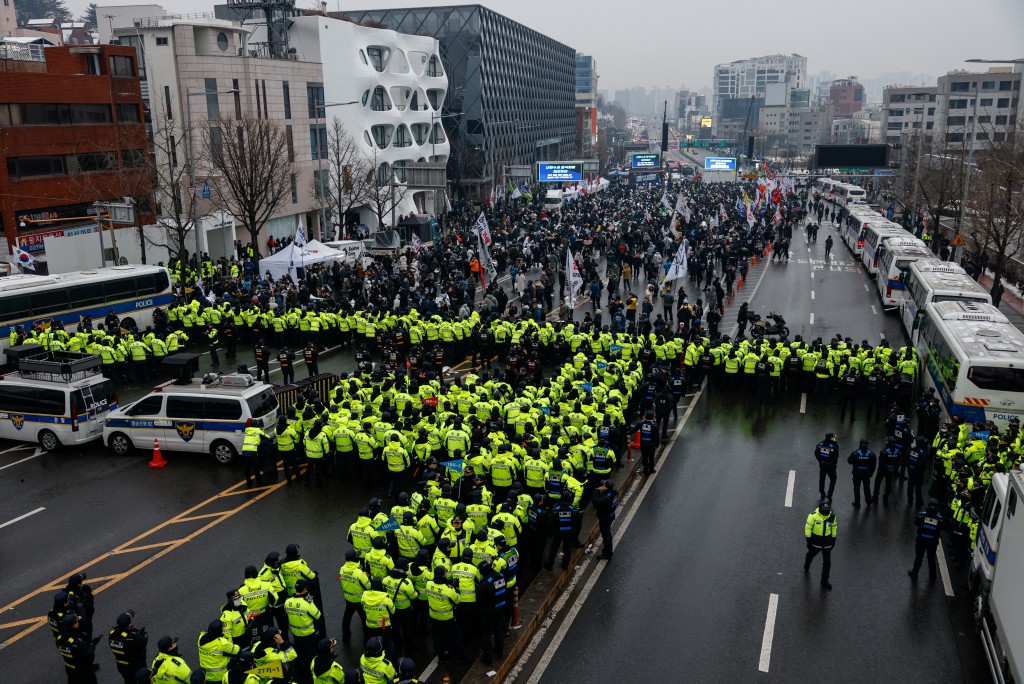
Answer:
[(754, 262), (635, 444), (157, 461)]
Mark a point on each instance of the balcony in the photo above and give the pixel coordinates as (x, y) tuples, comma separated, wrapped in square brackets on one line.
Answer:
[(22, 53)]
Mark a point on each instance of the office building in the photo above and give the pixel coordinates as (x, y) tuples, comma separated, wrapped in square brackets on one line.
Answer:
[(512, 90), (905, 109), (586, 81), (983, 106), (71, 135), (846, 96), (748, 78)]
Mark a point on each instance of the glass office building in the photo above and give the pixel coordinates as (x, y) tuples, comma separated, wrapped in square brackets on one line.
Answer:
[(511, 90)]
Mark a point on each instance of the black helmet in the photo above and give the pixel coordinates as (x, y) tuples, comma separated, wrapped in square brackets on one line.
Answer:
[(374, 647), (863, 441), (825, 506)]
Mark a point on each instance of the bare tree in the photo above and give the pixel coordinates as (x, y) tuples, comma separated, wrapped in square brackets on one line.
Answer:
[(170, 183), (347, 172), (251, 172), (995, 210), (941, 181), (383, 191)]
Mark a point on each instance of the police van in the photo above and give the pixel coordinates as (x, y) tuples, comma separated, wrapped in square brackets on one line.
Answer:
[(54, 399), (207, 415)]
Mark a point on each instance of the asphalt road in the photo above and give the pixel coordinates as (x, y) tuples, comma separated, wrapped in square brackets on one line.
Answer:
[(717, 543)]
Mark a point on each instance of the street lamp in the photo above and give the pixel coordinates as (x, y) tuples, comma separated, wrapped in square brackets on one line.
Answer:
[(320, 155), (192, 161)]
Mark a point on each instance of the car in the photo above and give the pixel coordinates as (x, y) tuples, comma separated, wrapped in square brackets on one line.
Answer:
[(207, 415)]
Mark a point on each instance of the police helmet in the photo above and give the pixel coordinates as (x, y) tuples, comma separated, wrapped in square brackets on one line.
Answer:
[(374, 647)]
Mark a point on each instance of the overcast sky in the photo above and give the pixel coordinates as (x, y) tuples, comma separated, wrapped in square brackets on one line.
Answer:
[(663, 43)]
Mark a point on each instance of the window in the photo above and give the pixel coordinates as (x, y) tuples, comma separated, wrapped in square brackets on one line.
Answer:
[(161, 40), (212, 102), (930, 125), (988, 85), (174, 152), (222, 42), (898, 98), (217, 144), (958, 104), (87, 162), (122, 67), (116, 290), (29, 167), (150, 406), (895, 112), (321, 182), (931, 111), (996, 379), (318, 141), (289, 137), (167, 103), (295, 189), (434, 67), (1003, 102), (1006, 85), (315, 100), (17, 399), (985, 102), (49, 301), (380, 102), (262, 404), (133, 159), (146, 285), (999, 136), (402, 137), (983, 135), (223, 409), (92, 65), (961, 87), (51, 402), (286, 91), (378, 57), (1001, 119), (127, 113), (955, 120), (190, 408), (954, 137), (984, 119)]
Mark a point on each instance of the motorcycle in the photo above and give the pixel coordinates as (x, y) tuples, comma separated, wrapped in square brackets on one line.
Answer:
[(772, 325)]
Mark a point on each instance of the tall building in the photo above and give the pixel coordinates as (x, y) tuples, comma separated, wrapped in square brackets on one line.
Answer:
[(586, 80), (398, 86), (979, 106), (512, 90), (846, 95), (71, 135), (906, 109), (748, 78), (8, 18)]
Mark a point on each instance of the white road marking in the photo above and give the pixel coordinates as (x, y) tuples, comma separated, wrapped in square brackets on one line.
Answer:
[(769, 633), (21, 517), (570, 617), (430, 669), (812, 275), (20, 447), (866, 288), (789, 487), (812, 318), (874, 310), (39, 452), (803, 402), (812, 294), (947, 586)]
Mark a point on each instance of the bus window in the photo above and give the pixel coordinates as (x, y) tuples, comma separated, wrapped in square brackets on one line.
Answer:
[(82, 296), (146, 285), (53, 300), (997, 379), (162, 282), (50, 402), (17, 399), (14, 307), (122, 288), (223, 409)]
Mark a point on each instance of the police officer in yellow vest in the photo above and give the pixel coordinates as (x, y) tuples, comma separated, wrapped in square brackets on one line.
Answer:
[(252, 442), (232, 618), (302, 617), (317, 446), (820, 530), (257, 596), (215, 651)]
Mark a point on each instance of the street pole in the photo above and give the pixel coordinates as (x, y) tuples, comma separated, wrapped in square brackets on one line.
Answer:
[(917, 164), (99, 221), (192, 175)]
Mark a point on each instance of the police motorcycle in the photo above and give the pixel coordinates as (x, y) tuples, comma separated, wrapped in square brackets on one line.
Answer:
[(772, 325)]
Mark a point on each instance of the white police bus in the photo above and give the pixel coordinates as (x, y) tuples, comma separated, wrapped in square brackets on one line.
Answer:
[(930, 281), (895, 259), (974, 358), (875, 234), (131, 292)]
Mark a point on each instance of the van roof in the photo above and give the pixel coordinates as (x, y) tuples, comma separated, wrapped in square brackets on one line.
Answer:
[(196, 386), (15, 378)]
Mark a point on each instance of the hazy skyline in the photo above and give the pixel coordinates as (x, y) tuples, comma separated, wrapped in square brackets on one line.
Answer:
[(656, 44)]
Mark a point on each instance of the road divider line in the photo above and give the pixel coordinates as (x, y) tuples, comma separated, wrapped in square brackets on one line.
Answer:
[(947, 586), (22, 517), (803, 402), (812, 294), (812, 318), (769, 633), (866, 288), (789, 488), (146, 547), (874, 310)]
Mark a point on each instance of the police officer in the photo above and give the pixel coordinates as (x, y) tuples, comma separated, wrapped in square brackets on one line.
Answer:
[(605, 503), (917, 461), (827, 455), (325, 668), (62, 605), (128, 645), (820, 531), (169, 667), (648, 442), (303, 616), (311, 356), (257, 595), (317, 447), (287, 361), (888, 466), (864, 462), (492, 598), (564, 523), (262, 361), (78, 652), (252, 443), (215, 651), (406, 672), (929, 526)]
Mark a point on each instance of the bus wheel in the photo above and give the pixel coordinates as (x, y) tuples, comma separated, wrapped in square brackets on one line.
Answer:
[(48, 440), (223, 452), (120, 444)]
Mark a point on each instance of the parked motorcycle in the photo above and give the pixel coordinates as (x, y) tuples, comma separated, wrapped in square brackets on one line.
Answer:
[(772, 325)]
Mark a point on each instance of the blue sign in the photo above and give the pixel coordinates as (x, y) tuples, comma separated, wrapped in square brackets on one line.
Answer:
[(389, 525), (205, 192), (720, 163), (554, 172), (645, 160), (615, 348), (983, 435), (453, 465), (601, 365), (587, 387), (885, 172)]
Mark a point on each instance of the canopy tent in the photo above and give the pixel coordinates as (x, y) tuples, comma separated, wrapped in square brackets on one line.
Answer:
[(292, 257)]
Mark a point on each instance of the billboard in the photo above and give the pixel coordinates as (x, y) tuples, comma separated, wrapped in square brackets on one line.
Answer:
[(559, 172), (775, 94), (851, 156), (647, 180), (645, 160), (705, 122), (719, 163)]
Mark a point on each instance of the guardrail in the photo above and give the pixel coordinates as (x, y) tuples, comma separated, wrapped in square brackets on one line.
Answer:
[(22, 53)]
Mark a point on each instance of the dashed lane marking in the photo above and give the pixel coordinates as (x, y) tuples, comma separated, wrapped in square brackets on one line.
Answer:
[(769, 633), (790, 484), (22, 517)]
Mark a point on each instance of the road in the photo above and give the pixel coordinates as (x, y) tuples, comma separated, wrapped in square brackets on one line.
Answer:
[(707, 582)]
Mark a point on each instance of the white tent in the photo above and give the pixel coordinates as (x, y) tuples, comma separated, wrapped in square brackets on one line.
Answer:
[(291, 258), (322, 252)]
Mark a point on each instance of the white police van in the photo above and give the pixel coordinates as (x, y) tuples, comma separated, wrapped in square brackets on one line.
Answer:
[(54, 399), (202, 416)]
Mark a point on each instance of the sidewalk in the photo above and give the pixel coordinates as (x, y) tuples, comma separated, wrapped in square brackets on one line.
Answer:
[(1011, 305)]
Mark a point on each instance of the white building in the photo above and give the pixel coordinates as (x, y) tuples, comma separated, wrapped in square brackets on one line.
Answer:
[(907, 109), (400, 86), (748, 78)]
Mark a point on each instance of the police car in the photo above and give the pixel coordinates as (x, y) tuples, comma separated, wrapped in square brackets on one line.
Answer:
[(202, 416), (54, 399)]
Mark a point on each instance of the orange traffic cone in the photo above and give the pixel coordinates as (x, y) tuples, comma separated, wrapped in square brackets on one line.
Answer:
[(754, 262), (157, 461), (635, 444), (739, 283)]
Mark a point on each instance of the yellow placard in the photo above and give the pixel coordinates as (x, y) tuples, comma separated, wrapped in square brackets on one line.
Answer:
[(272, 669)]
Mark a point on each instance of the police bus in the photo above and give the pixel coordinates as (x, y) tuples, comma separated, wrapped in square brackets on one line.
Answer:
[(930, 281), (874, 234), (974, 358), (131, 292), (858, 217), (896, 256)]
